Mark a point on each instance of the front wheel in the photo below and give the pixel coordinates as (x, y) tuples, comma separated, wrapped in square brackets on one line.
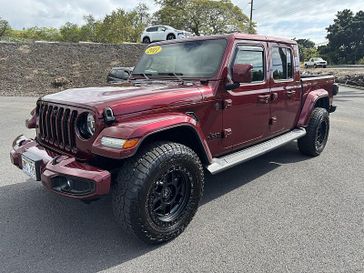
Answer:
[(157, 192), (171, 37), (314, 142)]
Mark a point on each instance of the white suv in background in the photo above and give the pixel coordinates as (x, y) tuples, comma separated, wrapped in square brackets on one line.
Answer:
[(316, 62), (161, 33)]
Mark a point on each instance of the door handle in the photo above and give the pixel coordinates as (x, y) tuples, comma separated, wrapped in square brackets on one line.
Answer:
[(274, 96), (263, 99), (290, 93)]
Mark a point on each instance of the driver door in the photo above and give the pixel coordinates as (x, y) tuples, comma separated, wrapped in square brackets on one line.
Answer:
[(246, 114)]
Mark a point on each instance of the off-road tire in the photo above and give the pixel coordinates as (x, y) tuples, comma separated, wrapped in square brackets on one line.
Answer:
[(314, 142), (171, 37), (139, 177)]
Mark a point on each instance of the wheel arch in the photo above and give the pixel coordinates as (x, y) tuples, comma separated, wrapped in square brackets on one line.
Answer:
[(316, 98), (146, 36), (171, 33), (175, 127), (183, 134)]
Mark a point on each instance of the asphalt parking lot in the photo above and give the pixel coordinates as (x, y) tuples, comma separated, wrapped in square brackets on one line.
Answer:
[(282, 212)]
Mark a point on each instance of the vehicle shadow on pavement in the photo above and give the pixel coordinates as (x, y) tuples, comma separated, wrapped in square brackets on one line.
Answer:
[(42, 232), (222, 183)]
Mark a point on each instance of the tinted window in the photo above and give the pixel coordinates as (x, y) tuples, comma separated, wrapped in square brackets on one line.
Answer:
[(289, 64), (152, 29), (282, 63), (253, 55)]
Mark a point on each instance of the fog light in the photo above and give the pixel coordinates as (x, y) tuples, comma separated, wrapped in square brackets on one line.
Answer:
[(72, 186)]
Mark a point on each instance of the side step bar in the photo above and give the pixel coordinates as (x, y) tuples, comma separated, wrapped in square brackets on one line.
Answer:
[(222, 163)]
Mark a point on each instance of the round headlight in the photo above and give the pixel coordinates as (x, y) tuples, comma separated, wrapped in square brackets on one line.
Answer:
[(86, 125), (90, 121)]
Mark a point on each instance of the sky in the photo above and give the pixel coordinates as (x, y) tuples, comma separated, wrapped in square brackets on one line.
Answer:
[(286, 18)]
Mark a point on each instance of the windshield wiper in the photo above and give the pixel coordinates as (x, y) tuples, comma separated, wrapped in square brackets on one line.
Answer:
[(177, 75), (142, 74)]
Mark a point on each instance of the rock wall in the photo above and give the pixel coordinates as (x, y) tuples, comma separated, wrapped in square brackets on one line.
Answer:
[(34, 69)]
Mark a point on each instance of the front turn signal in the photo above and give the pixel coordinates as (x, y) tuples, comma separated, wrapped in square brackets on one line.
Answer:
[(130, 143)]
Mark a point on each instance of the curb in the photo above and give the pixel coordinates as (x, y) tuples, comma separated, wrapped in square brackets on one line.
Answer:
[(352, 86)]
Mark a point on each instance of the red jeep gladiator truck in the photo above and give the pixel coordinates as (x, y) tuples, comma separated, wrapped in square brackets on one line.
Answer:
[(194, 105)]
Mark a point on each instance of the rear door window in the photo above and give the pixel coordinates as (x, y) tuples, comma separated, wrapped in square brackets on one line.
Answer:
[(282, 63)]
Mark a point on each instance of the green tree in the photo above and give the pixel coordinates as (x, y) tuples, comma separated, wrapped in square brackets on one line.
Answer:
[(202, 16), (87, 32), (123, 26), (346, 38), (36, 33), (307, 49), (70, 32), (4, 27)]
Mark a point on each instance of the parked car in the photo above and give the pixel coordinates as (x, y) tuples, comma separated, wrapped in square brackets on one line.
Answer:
[(315, 62), (119, 74), (162, 33), (205, 103)]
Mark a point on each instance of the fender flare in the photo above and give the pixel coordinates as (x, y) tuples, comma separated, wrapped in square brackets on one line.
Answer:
[(309, 105), (143, 127)]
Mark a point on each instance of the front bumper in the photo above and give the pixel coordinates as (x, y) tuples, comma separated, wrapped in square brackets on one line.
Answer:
[(63, 174)]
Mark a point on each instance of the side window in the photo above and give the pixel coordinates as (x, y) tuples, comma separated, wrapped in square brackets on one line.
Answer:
[(152, 29), (289, 64), (253, 55), (282, 63), (162, 29)]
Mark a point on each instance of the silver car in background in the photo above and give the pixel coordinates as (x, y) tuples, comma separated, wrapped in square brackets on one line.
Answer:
[(316, 62)]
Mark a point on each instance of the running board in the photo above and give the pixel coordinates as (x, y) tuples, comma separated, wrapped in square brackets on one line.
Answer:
[(231, 160)]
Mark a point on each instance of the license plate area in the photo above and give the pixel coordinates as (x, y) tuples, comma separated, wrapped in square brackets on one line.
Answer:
[(31, 165)]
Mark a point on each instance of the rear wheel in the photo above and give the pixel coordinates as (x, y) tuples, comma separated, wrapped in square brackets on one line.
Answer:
[(314, 142), (146, 40), (157, 192)]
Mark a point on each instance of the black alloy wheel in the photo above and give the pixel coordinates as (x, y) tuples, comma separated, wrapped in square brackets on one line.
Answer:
[(169, 195)]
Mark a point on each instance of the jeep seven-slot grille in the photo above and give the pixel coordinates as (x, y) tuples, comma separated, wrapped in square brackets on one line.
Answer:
[(56, 125)]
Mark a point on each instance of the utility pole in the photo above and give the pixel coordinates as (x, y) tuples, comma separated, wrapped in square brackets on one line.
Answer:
[(251, 16)]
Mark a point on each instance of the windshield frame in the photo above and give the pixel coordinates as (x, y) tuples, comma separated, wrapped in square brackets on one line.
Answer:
[(134, 76)]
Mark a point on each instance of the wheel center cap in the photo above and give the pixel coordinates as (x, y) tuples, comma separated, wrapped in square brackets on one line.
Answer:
[(166, 193)]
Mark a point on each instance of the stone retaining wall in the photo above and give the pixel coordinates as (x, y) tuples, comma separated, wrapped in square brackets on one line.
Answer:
[(33, 69)]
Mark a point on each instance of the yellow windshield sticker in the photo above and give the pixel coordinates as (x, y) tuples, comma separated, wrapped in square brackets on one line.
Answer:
[(153, 50)]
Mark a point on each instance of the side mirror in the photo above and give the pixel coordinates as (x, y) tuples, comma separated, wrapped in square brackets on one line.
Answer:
[(242, 73)]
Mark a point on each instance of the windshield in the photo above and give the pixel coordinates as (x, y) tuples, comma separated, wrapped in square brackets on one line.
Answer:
[(193, 59)]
